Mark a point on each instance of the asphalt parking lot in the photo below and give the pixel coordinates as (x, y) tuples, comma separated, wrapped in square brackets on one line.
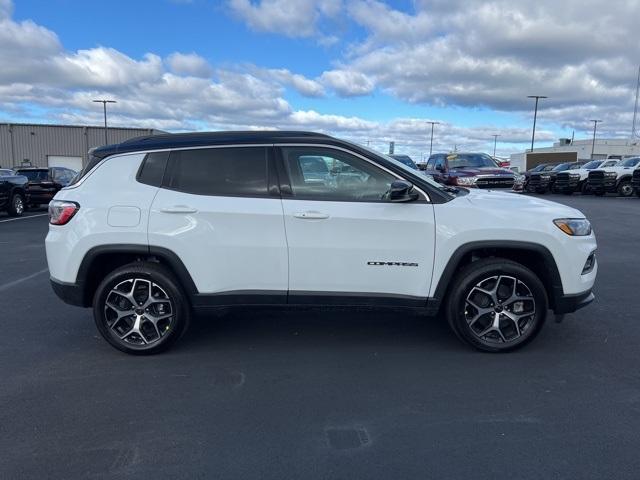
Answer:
[(259, 394)]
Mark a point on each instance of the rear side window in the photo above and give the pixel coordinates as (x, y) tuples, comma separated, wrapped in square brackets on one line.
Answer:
[(152, 169), (237, 171)]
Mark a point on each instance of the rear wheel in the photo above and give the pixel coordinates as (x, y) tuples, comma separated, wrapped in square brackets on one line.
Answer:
[(16, 205), (496, 305), (625, 189), (140, 308)]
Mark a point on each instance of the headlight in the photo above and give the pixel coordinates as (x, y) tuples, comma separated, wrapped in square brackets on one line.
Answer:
[(466, 181), (576, 227), (546, 177), (610, 174), (575, 175)]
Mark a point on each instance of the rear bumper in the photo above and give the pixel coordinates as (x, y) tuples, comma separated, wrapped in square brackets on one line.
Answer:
[(70, 293), (571, 303)]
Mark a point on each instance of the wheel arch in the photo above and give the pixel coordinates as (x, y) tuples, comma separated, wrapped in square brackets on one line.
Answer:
[(534, 256), (623, 178), (101, 260)]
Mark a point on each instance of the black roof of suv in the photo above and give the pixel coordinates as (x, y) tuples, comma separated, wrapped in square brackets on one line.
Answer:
[(197, 139)]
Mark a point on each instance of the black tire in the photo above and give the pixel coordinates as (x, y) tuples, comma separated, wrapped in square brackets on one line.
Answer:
[(584, 189), (625, 189), (16, 205), (465, 285), (122, 333), (638, 192)]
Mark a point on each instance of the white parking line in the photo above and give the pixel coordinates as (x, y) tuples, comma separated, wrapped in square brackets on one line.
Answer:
[(7, 286), (24, 218)]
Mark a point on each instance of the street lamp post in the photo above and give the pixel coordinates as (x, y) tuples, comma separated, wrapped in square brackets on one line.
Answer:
[(104, 105), (593, 143), (495, 141), (431, 142), (535, 117)]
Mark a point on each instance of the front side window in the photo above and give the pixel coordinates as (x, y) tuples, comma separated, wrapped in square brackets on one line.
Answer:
[(234, 171), (327, 174)]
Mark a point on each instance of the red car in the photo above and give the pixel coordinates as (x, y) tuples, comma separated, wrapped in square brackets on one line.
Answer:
[(472, 170)]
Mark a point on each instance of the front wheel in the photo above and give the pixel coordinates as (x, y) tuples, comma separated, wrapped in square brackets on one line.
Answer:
[(16, 205), (496, 305), (140, 308), (625, 189)]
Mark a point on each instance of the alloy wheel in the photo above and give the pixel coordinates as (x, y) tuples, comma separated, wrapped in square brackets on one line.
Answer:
[(500, 309), (18, 204), (139, 312)]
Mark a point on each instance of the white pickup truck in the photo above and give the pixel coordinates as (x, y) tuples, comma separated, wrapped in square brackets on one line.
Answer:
[(614, 179)]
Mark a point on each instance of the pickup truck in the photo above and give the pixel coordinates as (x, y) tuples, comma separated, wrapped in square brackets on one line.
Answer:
[(472, 170), (13, 192), (614, 179), (572, 181)]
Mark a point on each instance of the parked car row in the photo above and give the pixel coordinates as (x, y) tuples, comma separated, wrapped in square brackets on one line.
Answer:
[(596, 176), (24, 187)]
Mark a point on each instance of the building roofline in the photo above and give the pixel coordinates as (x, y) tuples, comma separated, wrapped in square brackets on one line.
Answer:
[(101, 127)]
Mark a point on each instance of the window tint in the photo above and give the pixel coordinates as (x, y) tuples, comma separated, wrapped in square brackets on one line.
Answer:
[(35, 175), (153, 168), (334, 175), (440, 162), (219, 171)]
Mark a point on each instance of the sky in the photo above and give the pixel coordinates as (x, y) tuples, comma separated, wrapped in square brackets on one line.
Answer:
[(364, 70)]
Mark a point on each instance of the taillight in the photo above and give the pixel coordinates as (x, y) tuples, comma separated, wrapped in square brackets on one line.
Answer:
[(61, 211)]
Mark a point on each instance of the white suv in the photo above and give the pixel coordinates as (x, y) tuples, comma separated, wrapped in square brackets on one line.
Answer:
[(161, 227)]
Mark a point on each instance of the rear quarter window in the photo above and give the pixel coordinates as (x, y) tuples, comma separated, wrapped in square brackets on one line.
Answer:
[(153, 168)]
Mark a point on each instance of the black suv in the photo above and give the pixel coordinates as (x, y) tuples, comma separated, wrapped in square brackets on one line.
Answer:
[(13, 192), (44, 182), (635, 181)]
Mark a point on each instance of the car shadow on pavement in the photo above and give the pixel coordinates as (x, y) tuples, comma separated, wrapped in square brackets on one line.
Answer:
[(329, 326)]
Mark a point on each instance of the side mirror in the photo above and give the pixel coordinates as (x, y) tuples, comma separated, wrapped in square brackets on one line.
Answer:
[(402, 191)]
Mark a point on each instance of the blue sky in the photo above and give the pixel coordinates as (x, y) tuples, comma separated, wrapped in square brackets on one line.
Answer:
[(358, 69)]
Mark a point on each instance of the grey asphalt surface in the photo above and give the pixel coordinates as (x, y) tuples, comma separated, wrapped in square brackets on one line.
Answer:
[(273, 394)]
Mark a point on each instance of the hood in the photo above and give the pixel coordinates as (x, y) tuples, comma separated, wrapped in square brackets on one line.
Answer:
[(492, 199), (480, 171)]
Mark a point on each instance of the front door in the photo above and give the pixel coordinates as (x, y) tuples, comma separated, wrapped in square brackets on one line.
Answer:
[(347, 242)]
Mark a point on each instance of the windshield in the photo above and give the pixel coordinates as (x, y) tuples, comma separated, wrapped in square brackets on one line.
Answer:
[(593, 164), (5, 172), (630, 162), (473, 160), (35, 175), (406, 159), (562, 167)]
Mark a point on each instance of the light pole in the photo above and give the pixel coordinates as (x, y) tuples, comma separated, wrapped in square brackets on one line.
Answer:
[(104, 105), (535, 117), (593, 143), (495, 141), (431, 143)]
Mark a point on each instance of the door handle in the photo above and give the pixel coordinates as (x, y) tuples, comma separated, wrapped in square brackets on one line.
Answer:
[(178, 209), (311, 215)]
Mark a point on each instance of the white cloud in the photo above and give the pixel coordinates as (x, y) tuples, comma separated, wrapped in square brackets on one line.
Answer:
[(189, 64), (302, 84), (293, 18), (348, 83)]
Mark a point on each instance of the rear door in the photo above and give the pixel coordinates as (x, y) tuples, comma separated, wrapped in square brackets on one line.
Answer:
[(347, 244), (219, 211)]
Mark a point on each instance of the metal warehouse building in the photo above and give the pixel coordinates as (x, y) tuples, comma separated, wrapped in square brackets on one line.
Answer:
[(56, 145)]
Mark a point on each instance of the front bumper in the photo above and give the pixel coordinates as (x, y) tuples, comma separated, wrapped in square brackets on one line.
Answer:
[(537, 184), (599, 185), (571, 303), (71, 293)]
